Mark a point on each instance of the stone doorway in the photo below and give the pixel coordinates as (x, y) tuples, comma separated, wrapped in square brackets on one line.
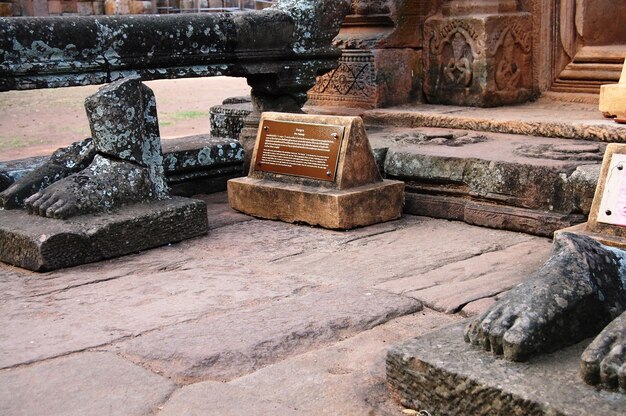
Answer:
[(587, 43)]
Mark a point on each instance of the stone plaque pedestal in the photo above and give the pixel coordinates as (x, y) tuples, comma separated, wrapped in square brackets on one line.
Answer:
[(353, 195), (43, 244), (607, 217), (480, 59)]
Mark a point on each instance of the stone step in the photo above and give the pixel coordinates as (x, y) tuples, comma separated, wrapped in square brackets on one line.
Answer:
[(440, 374), (543, 118), (509, 181)]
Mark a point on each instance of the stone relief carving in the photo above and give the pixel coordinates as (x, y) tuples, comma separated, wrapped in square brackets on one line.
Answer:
[(459, 67), (455, 45), (352, 80), (452, 139), (511, 47)]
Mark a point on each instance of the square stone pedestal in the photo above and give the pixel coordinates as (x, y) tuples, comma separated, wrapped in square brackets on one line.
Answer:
[(481, 60), (318, 170), (443, 375), (43, 244), (328, 208)]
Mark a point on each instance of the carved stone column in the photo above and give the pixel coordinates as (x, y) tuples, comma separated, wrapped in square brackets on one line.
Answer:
[(380, 65), (478, 53)]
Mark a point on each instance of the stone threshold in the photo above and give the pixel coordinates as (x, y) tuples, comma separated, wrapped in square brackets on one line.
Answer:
[(545, 117)]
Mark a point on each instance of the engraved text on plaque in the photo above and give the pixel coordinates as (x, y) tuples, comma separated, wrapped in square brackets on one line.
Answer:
[(299, 149)]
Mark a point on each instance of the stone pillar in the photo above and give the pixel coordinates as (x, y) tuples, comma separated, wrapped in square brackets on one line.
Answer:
[(478, 53), (380, 66)]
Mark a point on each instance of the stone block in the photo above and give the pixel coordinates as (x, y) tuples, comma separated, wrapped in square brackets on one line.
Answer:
[(370, 79), (341, 210), (441, 374), (227, 120), (356, 195), (613, 97), (41, 244), (84, 384), (481, 60)]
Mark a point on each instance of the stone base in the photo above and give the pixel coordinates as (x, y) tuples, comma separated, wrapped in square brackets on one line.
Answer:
[(491, 215), (443, 375), (328, 208), (370, 79), (613, 100), (43, 244)]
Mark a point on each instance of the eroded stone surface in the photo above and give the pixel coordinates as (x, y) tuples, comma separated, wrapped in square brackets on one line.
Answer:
[(224, 347), (452, 286), (87, 384), (346, 378)]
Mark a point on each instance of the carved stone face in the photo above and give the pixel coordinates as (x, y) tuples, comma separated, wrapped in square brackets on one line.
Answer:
[(458, 45)]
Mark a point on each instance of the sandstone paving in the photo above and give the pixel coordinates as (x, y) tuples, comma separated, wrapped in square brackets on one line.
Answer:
[(96, 314), (87, 384), (450, 287), (223, 347), (253, 297), (417, 246), (347, 378)]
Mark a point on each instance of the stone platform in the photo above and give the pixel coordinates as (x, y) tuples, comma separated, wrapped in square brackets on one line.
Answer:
[(42, 244), (443, 375), (521, 183), (329, 208)]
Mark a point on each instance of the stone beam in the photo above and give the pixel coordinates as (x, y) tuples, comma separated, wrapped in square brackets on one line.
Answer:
[(291, 40)]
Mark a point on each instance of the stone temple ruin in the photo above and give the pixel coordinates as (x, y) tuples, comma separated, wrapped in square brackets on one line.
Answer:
[(486, 110)]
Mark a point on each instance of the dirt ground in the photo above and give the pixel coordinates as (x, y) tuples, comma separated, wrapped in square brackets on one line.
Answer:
[(37, 122)]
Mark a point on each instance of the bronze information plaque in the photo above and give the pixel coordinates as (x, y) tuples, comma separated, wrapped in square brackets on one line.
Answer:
[(299, 149)]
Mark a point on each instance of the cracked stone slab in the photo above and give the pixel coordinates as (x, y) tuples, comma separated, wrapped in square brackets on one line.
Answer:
[(41, 244), (153, 291), (346, 378), (85, 384), (391, 255), (443, 375), (216, 398), (226, 346), (450, 287)]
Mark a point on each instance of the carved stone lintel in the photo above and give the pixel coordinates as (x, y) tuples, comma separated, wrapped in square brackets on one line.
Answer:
[(478, 60)]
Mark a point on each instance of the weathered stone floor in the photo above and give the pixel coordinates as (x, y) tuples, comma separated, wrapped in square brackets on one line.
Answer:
[(256, 318)]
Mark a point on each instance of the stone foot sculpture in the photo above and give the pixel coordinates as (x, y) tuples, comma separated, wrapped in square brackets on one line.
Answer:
[(62, 163), (604, 361), (121, 163), (576, 293), (105, 184)]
